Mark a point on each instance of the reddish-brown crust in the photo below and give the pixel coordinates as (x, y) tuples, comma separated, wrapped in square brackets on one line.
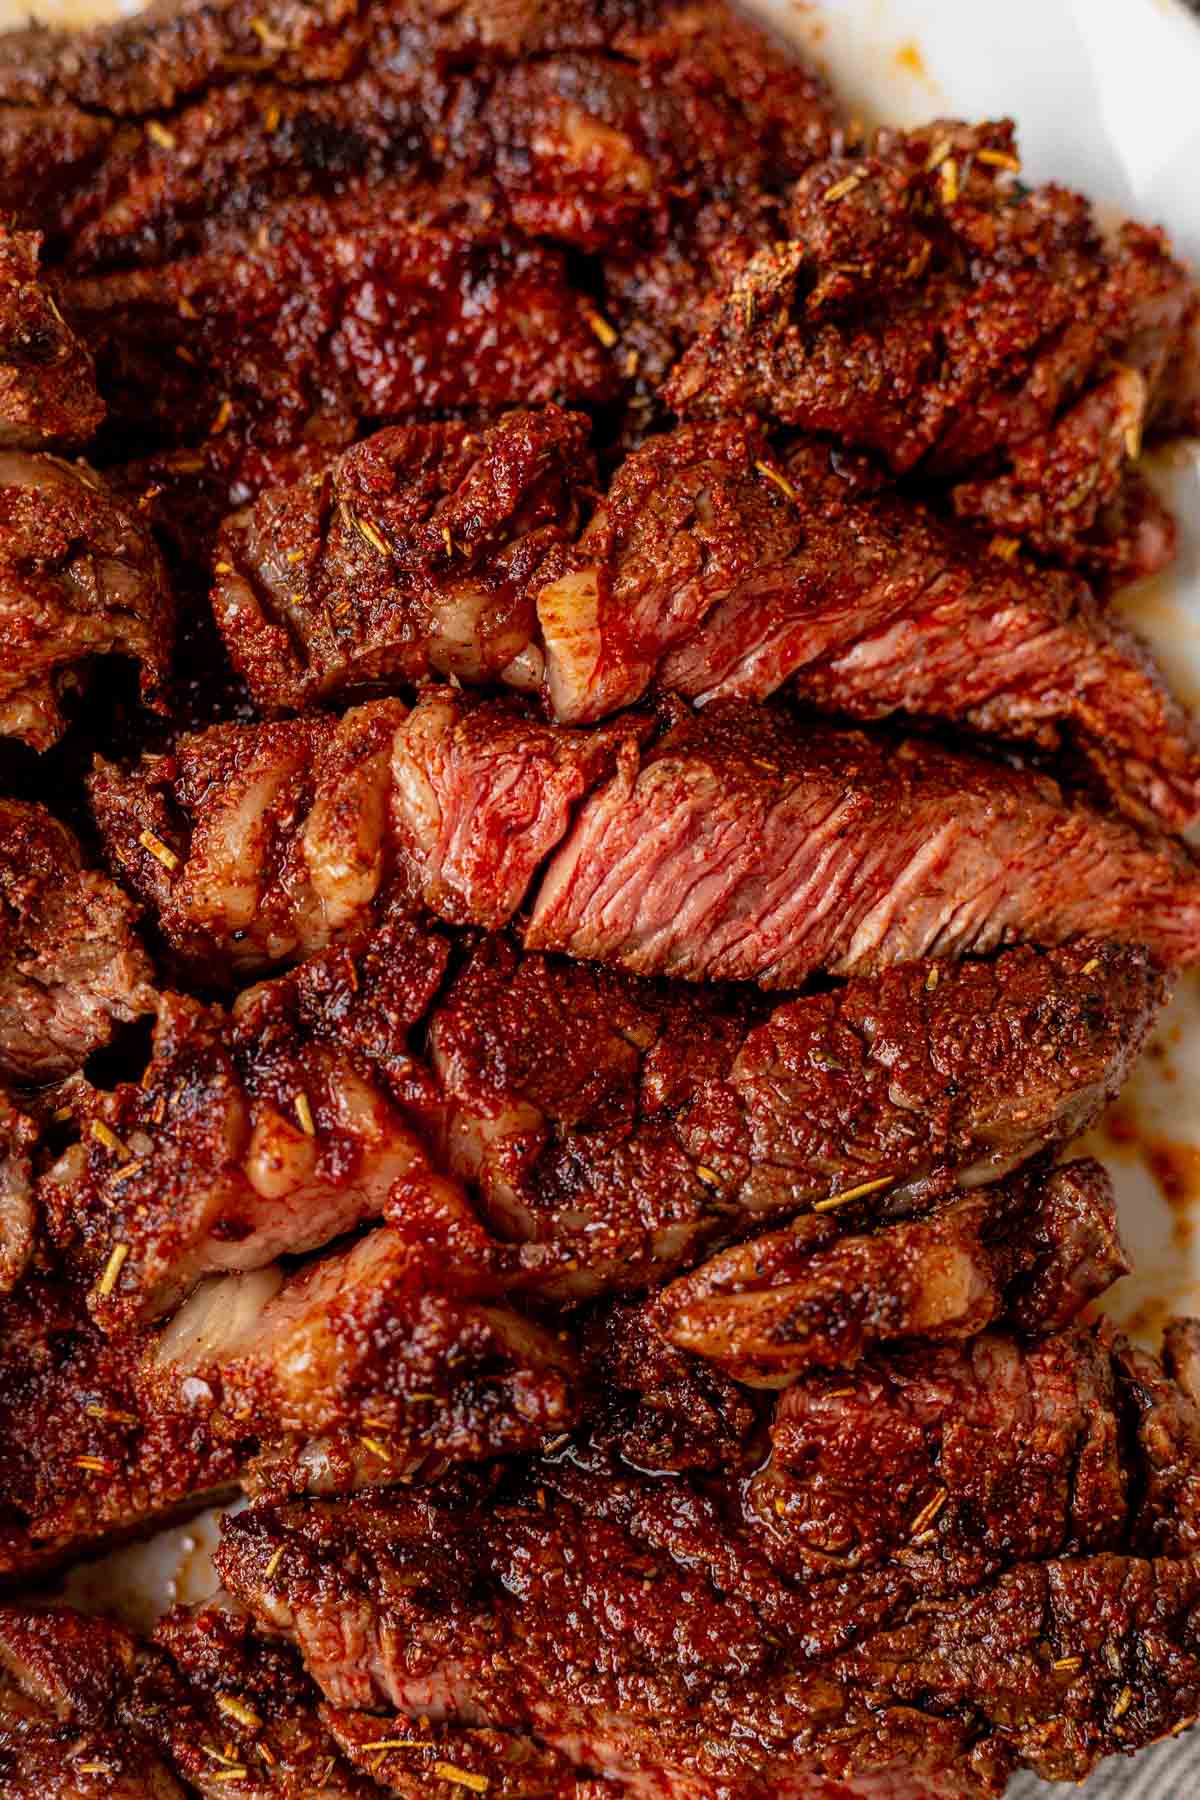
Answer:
[(48, 398), (954, 1580), (927, 310), (72, 966), (80, 577)]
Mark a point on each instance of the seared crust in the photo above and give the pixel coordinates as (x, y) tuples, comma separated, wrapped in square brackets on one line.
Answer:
[(48, 398), (977, 1599), (80, 577), (72, 964)]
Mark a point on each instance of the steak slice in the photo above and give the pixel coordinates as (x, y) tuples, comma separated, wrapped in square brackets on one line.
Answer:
[(745, 847), (605, 149), (289, 833), (86, 1458), (48, 397), (18, 1137), (637, 1627), (718, 573), (275, 835), (739, 846), (72, 968), (380, 1362), (412, 557), (613, 1127), (941, 317), (228, 1711), (266, 1133), (79, 578), (340, 312), (1039, 1247), (62, 1677), (148, 62), (370, 1365)]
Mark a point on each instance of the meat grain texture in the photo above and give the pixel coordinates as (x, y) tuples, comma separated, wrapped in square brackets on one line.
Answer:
[(547, 1054)]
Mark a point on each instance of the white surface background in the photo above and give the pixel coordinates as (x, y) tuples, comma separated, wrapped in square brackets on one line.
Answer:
[(1106, 94)]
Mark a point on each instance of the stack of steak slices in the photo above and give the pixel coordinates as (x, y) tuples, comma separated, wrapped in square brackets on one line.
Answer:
[(541, 1037)]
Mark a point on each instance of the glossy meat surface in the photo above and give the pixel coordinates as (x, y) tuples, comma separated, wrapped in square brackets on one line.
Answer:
[(648, 1632), (612, 1128), (289, 833), (713, 852), (1038, 1247), (719, 569), (267, 1132), (412, 556)]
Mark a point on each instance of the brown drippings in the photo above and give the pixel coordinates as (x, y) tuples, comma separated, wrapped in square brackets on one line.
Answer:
[(909, 60), (1176, 1169)]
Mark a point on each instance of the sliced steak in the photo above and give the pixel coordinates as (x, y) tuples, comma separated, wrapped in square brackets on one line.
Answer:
[(229, 1711), (80, 577), (411, 557), (256, 844), (146, 63), (612, 1127), (338, 313), (288, 833), (634, 1625), (72, 966), (19, 1135), (48, 397), (376, 1363), (707, 569), (720, 570), (739, 846), (86, 1458), (767, 1311), (746, 847), (371, 1364), (266, 1133), (61, 1681), (929, 311), (693, 108)]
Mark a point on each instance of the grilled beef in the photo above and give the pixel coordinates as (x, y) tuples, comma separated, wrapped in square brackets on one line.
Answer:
[(931, 312), (719, 569), (1036, 1248), (738, 846), (72, 967), (369, 1365), (707, 568), (592, 145), (147, 63), (268, 1132), (207, 1705), (978, 1597), (85, 1456), (62, 1681), (747, 848), (615, 1127), (608, 1128), (374, 1364), (80, 577), (18, 1137), (365, 308), (287, 834), (48, 397), (413, 555)]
